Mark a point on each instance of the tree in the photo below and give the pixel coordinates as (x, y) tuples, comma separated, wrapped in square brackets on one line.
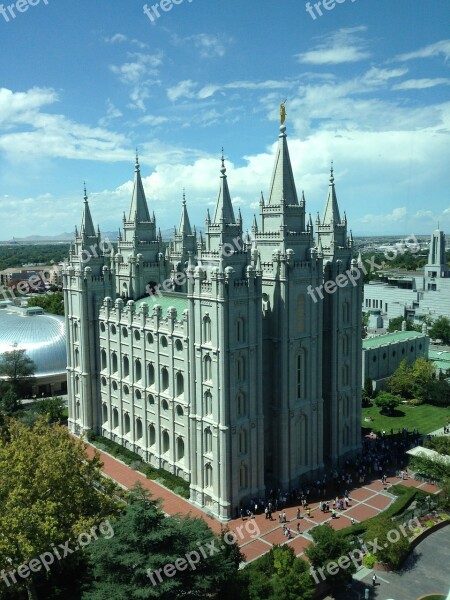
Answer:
[(279, 574), (18, 368), (50, 302), (49, 494), (400, 383), (392, 545), (133, 563), (396, 325), (424, 378), (441, 329), (367, 391), (9, 402), (387, 402), (52, 408), (329, 546)]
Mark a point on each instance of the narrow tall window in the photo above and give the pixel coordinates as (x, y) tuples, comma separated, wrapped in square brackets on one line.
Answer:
[(206, 329), (179, 384), (301, 313), (164, 379), (207, 403), (208, 476), (208, 369), (301, 375), (126, 366), (208, 440), (243, 441), (240, 368), (240, 332)]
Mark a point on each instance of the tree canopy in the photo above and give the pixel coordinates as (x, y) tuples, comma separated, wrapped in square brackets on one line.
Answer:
[(440, 329), (145, 542), (51, 302), (49, 494), (387, 402), (18, 368)]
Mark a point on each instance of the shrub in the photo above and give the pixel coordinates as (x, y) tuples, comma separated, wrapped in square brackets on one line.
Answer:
[(369, 560)]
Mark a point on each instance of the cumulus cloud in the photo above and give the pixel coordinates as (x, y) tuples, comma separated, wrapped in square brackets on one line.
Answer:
[(344, 46)]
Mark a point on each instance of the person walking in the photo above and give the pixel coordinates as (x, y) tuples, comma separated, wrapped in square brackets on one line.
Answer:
[(299, 513), (374, 580)]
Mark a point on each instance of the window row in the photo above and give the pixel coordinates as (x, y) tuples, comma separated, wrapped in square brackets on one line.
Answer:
[(137, 336)]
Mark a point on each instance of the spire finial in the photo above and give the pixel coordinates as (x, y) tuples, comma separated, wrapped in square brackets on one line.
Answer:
[(223, 169), (184, 196), (136, 166), (332, 173), (85, 193)]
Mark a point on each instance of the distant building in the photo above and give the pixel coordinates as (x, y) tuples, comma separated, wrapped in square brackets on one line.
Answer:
[(29, 279), (383, 354), (414, 294), (43, 336), (441, 359)]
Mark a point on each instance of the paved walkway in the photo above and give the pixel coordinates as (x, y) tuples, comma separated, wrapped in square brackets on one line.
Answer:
[(258, 535)]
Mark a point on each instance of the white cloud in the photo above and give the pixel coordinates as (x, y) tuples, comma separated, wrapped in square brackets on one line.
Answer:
[(112, 112), (437, 49), (421, 84), (183, 89), (378, 76), (341, 47), (209, 46), (134, 71)]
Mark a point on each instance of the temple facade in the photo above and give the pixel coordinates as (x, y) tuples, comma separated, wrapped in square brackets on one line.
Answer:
[(206, 355)]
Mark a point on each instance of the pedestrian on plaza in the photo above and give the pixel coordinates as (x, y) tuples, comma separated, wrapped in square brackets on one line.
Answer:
[(374, 580), (298, 528), (298, 513)]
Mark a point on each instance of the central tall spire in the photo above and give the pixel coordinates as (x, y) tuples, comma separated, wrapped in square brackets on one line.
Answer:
[(331, 213), (138, 208), (87, 226), (282, 185), (224, 207)]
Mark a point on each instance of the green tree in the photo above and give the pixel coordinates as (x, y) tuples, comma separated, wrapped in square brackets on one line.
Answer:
[(441, 329), (367, 391), (133, 563), (9, 402), (387, 402), (19, 370), (52, 303), (439, 443), (52, 408), (279, 574), (424, 378), (392, 545), (328, 547), (49, 494), (396, 325), (400, 383)]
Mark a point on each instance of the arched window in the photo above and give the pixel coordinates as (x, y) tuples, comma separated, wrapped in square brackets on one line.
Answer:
[(243, 441), (76, 356), (138, 429), (179, 384), (114, 386), (240, 332), (77, 385), (163, 341), (302, 441), (206, 329), (241, 405), (104, 413), (165, 441), (345, 312), (137, 335), (126, 423), (103, 359), (208, 476), (207, 403), (75, 332), (126, 366), (180, 448), (115, 418), (149, 338), (208, 440), (178, 345), (345, 345), (124, 332), (243, 476), (301, 375), (151, 399), (180, 411), (77, 410), (345, 374), (114, 362), (240, 368), (151, 435), (207, 369), (103, 380), (138, 370), (150, 374), (165, 405), (164, 378), (137, 395)]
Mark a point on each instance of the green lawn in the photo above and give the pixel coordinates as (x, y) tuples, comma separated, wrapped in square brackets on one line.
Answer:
[(425, 418)]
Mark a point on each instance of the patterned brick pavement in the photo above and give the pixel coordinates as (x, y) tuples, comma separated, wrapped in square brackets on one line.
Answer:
[(257, 538)]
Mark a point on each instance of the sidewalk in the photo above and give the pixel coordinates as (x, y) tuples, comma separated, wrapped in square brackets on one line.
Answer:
[(367, 500)]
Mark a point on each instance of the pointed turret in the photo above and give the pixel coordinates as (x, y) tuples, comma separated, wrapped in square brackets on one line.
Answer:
[(282, 185), (185, 226), (224, 207), (87, 226), (138, 209), (331, 213)]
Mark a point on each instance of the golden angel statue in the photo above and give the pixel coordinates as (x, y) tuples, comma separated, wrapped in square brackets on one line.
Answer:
[(283, 112)]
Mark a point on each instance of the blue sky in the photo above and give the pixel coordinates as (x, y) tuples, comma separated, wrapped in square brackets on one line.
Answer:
[(83, 83)]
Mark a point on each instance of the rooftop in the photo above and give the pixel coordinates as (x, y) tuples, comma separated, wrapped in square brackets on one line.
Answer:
[(390, 338), (165, 300)]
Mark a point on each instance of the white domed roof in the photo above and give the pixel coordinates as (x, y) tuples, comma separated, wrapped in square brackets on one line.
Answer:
[(43, 336)]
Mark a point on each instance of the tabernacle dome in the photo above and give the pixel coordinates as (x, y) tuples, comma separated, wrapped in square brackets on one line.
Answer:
[(43, 336)]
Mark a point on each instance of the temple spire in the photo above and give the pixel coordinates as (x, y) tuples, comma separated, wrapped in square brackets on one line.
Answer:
[(138, 208), (331, 213), (224, 207), (282, 185), (87, 226), (185, 226)]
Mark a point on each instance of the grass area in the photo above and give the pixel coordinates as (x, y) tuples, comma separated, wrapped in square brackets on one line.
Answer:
[(172, 482), (425, 418)]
